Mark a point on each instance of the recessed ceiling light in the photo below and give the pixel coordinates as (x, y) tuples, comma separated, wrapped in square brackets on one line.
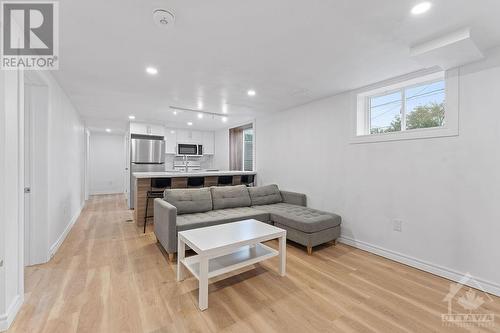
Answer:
[(251, 92), (151, 70), (172, 132), (175, 113), (421, 8), (108, 130), (224, 119), (131, 117), (190, 123), (224, 108), (200, 115)]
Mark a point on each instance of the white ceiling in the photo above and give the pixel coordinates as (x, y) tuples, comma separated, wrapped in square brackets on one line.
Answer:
[(289, 51)]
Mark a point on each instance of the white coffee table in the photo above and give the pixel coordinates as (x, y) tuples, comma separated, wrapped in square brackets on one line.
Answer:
[(226, 247)]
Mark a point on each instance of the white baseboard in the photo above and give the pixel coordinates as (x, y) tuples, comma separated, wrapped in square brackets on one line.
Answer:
[(7, 318), (53, 249), (445, 272)]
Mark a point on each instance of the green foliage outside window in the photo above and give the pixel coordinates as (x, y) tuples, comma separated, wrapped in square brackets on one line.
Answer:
[(425, 116)]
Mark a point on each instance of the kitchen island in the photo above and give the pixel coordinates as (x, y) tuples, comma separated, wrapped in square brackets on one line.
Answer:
[(147, 181)]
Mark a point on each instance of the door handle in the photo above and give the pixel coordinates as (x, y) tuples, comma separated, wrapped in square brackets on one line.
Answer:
[(27, 190)]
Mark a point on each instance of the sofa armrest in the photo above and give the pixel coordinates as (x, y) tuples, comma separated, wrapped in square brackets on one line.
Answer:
[(165, 226), (294, 198)]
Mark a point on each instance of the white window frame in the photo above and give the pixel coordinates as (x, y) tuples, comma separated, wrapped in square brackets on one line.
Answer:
[(361, 122)]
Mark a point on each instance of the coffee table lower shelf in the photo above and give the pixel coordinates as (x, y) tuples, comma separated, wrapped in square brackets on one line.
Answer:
[(244, 256), (227, 247)]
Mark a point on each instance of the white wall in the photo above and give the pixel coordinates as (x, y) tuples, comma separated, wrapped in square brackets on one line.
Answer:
[(11, 207), (446, 190), (107, 163), (66, 152), (62, 166), (2, 200), (221, 156), (87, 164)]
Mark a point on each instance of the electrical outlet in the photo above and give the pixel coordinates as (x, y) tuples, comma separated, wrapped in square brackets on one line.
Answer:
[(397, 225)]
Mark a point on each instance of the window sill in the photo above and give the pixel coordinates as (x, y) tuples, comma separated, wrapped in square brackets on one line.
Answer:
[(425, 133)]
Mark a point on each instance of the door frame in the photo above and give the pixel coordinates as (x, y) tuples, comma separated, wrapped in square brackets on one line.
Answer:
[(28, 172)]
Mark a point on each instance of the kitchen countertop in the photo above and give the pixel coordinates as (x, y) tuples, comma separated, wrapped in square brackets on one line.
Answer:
[(172, 174)]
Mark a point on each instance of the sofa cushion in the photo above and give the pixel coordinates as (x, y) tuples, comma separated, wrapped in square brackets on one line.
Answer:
[(230, 197), (214, 217), (188, 201), (265, 195), (301, 218)]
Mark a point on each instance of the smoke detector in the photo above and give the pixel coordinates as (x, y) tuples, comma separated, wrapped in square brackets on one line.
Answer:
[(163, 18)]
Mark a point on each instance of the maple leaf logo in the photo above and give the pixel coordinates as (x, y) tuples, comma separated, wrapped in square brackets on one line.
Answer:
[(454, 288), (470, 301)]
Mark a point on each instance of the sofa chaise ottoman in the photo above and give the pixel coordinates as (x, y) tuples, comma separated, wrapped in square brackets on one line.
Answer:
[(184, 209)]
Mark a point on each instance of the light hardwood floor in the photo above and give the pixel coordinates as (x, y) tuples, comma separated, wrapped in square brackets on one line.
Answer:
[(109, 277)]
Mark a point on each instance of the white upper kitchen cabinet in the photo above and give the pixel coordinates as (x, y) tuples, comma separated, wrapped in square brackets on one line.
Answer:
[(174, 136), (197, 137), (147, 129), (171, 141), (138, 128), (183, 136), (157, 130), (188, 136), (208, 143)]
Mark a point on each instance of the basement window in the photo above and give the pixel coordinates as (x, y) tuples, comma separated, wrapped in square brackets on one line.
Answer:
[(414, 108)]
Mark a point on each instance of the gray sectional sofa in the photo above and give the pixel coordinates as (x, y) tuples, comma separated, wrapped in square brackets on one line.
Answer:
[(184, 209)]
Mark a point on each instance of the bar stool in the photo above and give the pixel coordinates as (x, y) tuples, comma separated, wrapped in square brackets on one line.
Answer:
[(195, 182), (225, 181), (247, 180), (158, 186)]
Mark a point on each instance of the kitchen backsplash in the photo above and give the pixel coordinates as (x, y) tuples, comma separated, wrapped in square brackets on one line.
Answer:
[(206, 161)]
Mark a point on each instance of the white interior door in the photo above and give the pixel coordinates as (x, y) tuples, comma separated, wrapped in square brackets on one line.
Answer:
[(107, 157), (36, 104)]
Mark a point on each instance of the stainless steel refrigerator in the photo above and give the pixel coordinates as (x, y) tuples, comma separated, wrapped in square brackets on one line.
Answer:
[(147, 154)]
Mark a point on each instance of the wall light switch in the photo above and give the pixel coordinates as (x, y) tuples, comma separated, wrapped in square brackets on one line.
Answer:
[(397, 225)]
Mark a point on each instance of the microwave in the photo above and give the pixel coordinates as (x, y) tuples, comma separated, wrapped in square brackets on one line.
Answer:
[(189, 149)]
